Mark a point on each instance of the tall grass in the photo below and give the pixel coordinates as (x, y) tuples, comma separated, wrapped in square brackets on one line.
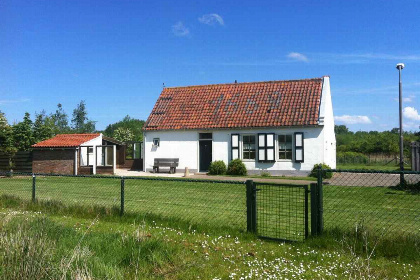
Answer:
[(105, 246)]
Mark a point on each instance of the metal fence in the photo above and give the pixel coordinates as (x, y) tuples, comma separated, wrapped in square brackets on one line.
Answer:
[(276, 211), (375, 200), (345, 199), (214, 203)]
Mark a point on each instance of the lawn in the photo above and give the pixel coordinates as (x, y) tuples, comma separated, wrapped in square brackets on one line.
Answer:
[(280, 212), (47, 240), (382, 167)]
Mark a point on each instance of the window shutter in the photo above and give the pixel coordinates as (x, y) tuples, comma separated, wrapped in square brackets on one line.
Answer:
[(234, 146), (299, 153), (266, 147), (261, 147), (270, 147)]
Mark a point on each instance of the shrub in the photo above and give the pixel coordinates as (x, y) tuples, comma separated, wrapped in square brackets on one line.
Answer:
[(325, 175), (236, 167), (217, 167), (265, 174)]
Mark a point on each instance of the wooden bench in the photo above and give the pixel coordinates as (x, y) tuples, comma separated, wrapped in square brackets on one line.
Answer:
[(172, 163)]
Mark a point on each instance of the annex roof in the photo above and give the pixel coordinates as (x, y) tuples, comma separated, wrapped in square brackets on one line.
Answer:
[(66, 140), (238, 105)]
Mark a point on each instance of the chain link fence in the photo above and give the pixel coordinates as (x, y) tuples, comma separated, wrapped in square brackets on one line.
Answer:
[(375, 200), (343, 200), (213, 203)]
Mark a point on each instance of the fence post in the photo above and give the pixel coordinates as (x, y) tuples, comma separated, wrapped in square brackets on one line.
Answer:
[(317, 205), (306, 212), (314, 209), (251, 206), (122, 196), (33, 187)]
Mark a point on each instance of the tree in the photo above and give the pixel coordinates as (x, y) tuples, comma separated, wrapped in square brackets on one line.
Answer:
[(43, 127), (60, 120), (22, 133), (341, 129), (134, 125), (6, 137), (123, 134), (80, 121)]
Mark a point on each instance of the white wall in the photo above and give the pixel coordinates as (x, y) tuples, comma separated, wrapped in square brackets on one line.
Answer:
[(327, 116), (184, 145), (94, 142), (173, 144)]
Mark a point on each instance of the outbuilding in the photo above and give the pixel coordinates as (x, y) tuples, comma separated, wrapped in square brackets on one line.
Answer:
[(280, 127), (75, 154)]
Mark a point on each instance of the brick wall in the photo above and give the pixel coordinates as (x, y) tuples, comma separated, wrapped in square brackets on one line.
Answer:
[(53, 161)]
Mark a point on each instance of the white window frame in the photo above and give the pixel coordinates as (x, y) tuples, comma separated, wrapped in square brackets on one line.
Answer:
[(278, 147), (242, 147)]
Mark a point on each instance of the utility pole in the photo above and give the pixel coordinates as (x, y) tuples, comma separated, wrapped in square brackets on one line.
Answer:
[(400, 66)]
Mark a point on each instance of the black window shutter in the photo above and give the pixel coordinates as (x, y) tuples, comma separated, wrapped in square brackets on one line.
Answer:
[(266, 147), (299, 147)]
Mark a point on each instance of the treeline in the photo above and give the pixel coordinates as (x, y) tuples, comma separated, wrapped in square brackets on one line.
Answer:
[(372, 142), (22, 135)]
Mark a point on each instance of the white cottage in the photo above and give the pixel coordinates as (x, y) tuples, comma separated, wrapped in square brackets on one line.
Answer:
[(281, 127)]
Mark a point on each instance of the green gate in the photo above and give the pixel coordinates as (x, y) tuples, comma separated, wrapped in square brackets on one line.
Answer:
[(278, 211)]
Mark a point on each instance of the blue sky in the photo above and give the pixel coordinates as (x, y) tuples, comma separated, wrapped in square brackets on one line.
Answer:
[(115, 55)]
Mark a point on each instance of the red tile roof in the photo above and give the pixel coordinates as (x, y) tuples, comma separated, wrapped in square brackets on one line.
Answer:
[(66, 140), (239, 105)]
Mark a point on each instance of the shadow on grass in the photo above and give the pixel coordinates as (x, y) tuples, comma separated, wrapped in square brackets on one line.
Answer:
[(112, 214)]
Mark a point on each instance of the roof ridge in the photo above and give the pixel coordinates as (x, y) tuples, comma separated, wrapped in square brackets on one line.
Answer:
[(67, 134), (245, 83)]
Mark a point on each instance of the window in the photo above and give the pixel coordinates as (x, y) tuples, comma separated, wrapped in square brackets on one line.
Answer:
[(156, 142), (285, 146), (205, 136), (248, 147), (105, 155), (299, 155), (134, 150), (266, 147), (234, 144), (86, 156)]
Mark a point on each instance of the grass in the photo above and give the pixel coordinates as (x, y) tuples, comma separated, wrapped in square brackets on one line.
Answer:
[(223, 205), (95, 243), (266, 176), (382, 167)]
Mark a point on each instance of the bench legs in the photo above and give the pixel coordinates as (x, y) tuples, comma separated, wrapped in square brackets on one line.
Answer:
[(172, 170)]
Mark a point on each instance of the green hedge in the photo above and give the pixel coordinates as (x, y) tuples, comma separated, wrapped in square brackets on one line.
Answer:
[(236, 167), (217, 167)]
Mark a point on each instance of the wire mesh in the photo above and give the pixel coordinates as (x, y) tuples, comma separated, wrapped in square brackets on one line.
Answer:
[(84, 191), (214, 203), (372, 199), (18, 185), (281, 211)]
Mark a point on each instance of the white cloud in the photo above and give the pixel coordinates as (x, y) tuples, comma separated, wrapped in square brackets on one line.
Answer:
[(180, 30), (411, 113), (406, 99), (10, 101), (211, 19), (363, 58), (298, 56), (347, 119)]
